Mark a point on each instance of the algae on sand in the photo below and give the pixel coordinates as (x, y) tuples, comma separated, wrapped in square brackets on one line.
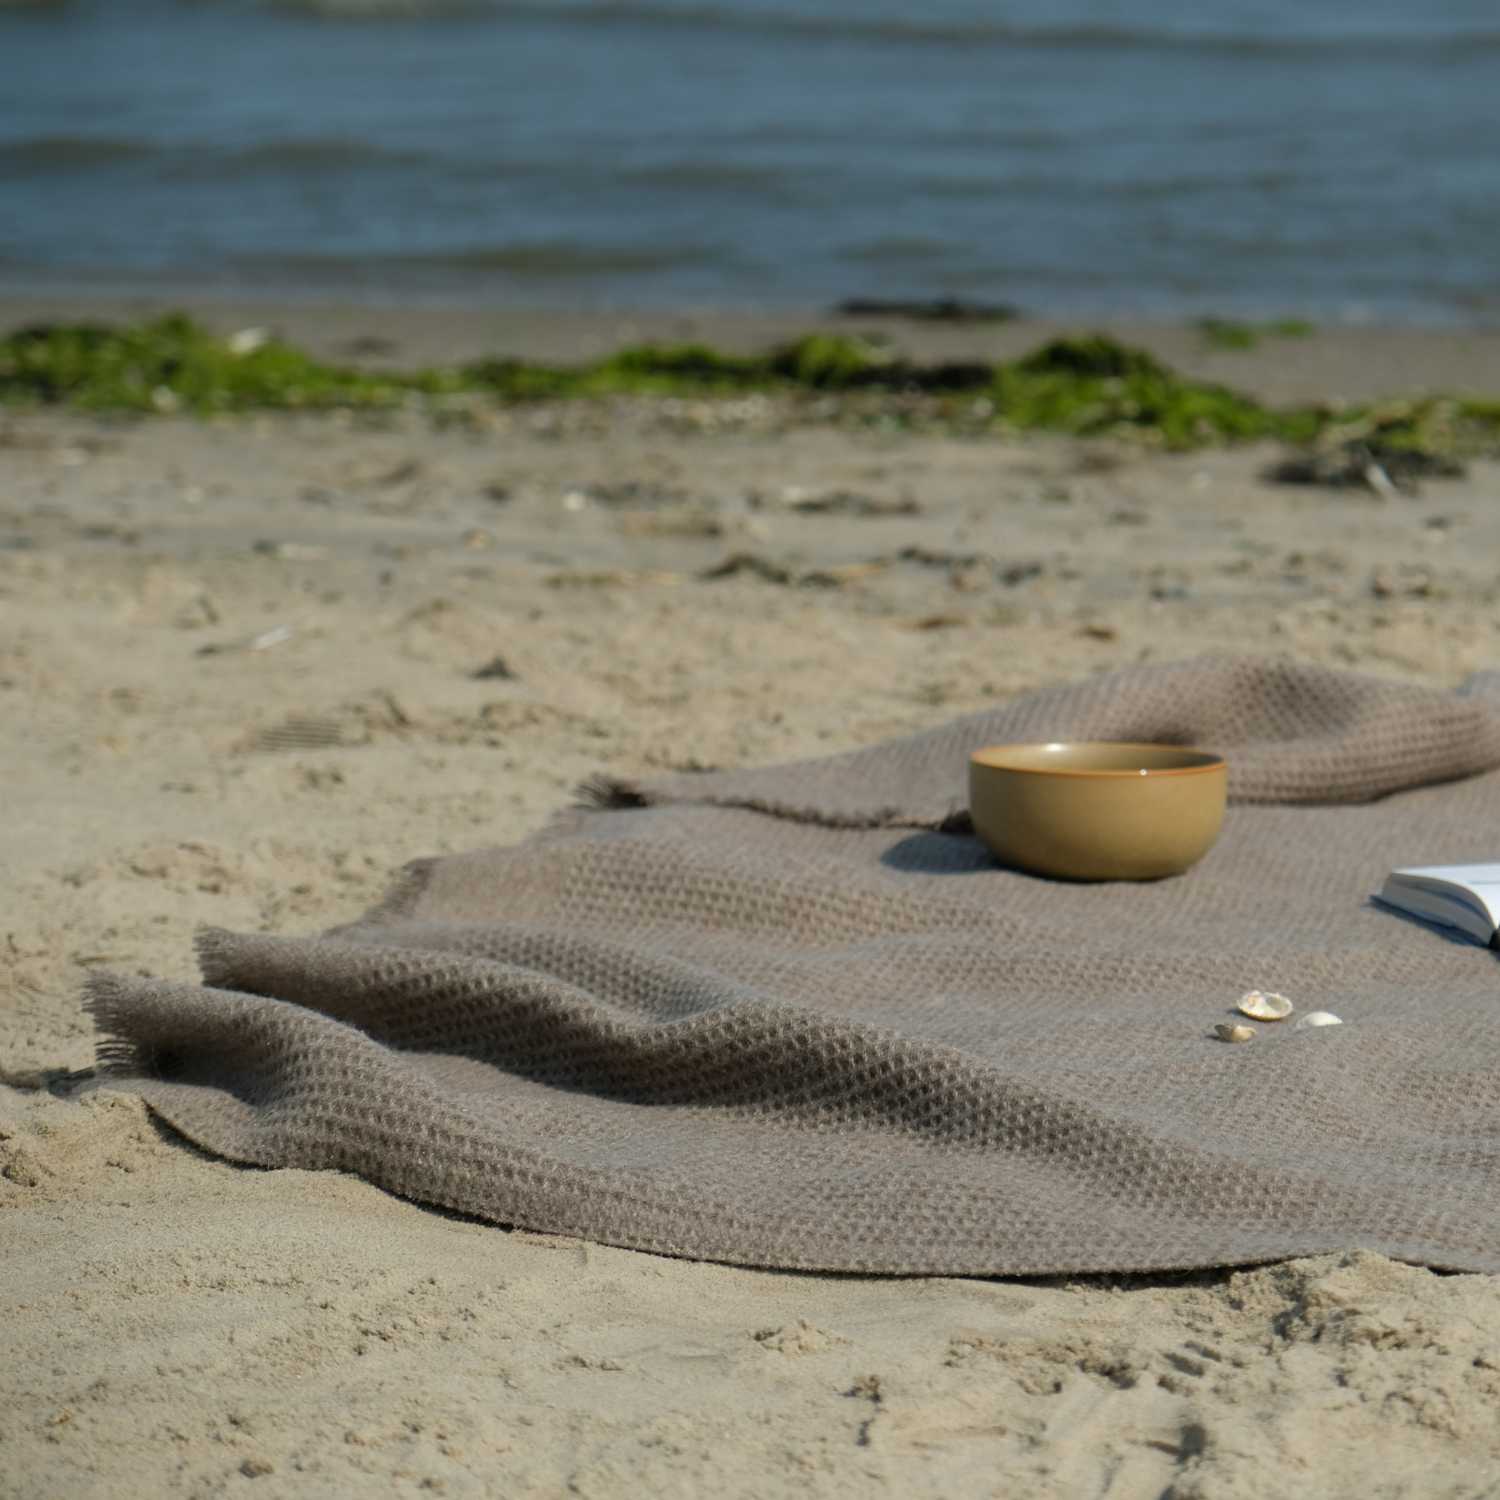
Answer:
[(1230, 333), (173, 363), (1084, 385)]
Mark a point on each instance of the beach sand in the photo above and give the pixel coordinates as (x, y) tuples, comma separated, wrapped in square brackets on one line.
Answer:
[(250, 667)]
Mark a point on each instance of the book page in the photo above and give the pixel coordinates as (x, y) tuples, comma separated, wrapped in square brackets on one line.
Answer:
[(1476, 886), (1470, 875)]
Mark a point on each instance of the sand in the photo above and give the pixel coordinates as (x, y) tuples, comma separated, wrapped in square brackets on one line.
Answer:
[(248, 668)]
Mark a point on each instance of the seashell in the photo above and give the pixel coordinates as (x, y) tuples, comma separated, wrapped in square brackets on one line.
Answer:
[(1265, 1007), (1318, 1018), (248, 340), (1233, 1031)]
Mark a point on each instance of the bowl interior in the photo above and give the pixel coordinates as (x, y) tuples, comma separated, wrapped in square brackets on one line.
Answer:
[(1097, 758)]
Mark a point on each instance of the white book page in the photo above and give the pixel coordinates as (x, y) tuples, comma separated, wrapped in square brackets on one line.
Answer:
[(1480, 884), (1487, 874)]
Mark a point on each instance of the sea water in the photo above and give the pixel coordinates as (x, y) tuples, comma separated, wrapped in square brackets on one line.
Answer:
[(1332, 158)]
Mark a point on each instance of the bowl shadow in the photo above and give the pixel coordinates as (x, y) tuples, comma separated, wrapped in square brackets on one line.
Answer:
[(939, 854)]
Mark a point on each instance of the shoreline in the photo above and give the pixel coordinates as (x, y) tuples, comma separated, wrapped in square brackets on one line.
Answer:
[(1341, 363)]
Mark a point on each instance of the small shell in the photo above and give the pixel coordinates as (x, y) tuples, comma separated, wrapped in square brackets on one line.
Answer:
[(248, 340), (1318, 1018), (1231, 1031), (1265, 1007)]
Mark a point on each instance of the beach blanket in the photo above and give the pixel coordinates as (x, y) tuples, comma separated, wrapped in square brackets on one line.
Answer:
[(797, 1017)]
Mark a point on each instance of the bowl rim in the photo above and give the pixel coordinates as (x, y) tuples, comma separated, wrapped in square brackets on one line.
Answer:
[(1208, 760)]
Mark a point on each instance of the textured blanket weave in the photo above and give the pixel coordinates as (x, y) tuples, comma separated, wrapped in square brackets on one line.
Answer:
[(796, 1017)]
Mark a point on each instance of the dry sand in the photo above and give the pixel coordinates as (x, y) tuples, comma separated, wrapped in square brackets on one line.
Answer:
[(238, 680)]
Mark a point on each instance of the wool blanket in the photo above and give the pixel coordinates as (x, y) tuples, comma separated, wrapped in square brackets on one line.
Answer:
[(798, 1017)]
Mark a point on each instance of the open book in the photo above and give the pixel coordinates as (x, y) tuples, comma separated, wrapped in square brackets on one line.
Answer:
[(1463, 896)]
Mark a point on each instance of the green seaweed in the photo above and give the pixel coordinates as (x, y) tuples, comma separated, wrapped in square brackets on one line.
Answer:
[(1226, 333), (1093, 385), (174, 363), (1229, 333), (1083, 385), (826, 361), (1094, 357)]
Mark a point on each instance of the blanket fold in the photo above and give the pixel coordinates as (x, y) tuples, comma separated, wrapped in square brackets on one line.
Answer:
[(796, 1017)]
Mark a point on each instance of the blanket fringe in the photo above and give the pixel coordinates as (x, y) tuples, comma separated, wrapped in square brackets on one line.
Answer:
[(400, 896), (606, 792), (116, 1055)]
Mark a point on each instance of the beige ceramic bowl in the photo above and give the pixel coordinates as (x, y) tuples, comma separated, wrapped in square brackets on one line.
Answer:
[(1097, 811)]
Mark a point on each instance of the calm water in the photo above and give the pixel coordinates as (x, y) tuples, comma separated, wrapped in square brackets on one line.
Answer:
[(1334, 157)]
